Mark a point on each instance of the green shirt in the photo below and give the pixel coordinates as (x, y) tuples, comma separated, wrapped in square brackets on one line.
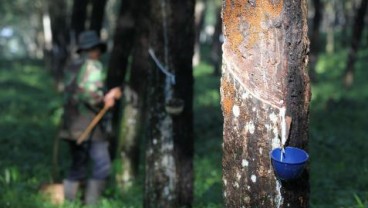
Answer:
[(90, 82)]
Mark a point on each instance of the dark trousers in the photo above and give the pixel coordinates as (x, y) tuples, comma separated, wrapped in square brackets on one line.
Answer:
[(94, 151)]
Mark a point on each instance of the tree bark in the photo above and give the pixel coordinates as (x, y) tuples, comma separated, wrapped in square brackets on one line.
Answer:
[(264, 75), (118, 64), (169, 146), (97, 16), (134, 122), (123, 43), (358, 29), (182, 48)]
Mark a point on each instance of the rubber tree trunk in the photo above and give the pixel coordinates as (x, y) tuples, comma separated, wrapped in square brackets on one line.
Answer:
[(134, 112), (358, 29), (118, 64), (123, 43), (182, 48), (264, 78), (169, 146)]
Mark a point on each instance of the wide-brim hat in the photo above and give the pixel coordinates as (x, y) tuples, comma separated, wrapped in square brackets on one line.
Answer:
[(88, 40)]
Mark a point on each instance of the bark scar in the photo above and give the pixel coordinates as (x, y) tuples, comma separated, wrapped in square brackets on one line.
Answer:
[(254, 46), (271, 99)]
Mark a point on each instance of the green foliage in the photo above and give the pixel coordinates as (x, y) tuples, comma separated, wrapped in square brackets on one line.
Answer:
[(14, 11), (208, 138), (28, 108), (339, 165), (359, 202)]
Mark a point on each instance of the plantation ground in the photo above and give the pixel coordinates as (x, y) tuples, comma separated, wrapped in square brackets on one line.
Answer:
[(30, 112)]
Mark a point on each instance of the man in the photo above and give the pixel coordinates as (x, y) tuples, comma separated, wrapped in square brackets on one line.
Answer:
[(85, 96)]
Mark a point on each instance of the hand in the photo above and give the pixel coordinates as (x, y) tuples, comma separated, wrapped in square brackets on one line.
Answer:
[(116, 92), (109, 99)]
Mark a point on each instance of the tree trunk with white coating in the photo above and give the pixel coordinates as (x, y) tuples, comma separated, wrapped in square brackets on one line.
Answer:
[(135, 113), (264, 72), (124, 37), (169, 146)]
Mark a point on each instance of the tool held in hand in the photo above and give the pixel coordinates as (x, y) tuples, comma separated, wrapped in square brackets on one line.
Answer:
[(91, 125)]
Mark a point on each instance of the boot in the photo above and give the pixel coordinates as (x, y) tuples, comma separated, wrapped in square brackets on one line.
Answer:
[(70, 189), (94, 190)]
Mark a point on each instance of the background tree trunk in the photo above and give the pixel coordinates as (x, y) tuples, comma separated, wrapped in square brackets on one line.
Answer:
[(79, 16), (118, 64), (358, 29), (330, 26), (200, 14), (264, 73), (169, 147), (60, 34), (314, 38), (182, 40), (97, 16), (123, 43), (47, 37), (134, 113)]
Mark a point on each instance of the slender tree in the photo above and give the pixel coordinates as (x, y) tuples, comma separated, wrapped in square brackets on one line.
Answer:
[(60, 36), (330, 15), (169, 146), (264, 79), (200, 14), (358, 29)]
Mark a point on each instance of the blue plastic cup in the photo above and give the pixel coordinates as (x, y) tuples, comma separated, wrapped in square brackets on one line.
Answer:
[(291, 165)]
